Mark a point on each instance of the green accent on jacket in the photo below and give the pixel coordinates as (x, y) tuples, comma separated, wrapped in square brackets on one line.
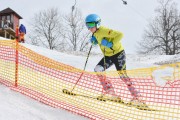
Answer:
[(112, 36)]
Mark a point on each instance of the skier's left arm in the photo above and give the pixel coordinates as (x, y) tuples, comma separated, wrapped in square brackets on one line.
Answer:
[(113, 36)]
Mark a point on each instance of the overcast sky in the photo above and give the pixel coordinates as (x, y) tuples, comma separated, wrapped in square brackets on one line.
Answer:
[(131, 19)]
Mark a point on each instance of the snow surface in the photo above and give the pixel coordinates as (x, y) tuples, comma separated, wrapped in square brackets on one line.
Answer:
[(2, 38), (78, 59), (15, 106)]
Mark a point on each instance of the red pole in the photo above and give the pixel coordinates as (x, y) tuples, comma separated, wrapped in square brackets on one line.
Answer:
[(16, 62)]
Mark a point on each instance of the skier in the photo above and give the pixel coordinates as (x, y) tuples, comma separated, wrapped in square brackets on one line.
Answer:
[(109, 42)]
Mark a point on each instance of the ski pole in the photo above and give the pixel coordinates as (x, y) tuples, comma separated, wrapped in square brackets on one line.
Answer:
[(83, 69), (104, 59)]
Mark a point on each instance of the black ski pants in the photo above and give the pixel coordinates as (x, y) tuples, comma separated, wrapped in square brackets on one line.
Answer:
[(119, 60)]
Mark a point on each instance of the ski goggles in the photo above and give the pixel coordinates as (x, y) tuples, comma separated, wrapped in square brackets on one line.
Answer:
[(90, 24)]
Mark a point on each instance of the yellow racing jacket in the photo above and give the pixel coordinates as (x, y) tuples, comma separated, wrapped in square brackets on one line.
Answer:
[(112, 36)]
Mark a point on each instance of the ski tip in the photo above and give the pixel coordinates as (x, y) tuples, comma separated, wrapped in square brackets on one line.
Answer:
[(65, 91)]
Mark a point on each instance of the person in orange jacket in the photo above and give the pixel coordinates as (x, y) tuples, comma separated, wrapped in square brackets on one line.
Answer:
[(110, 44)]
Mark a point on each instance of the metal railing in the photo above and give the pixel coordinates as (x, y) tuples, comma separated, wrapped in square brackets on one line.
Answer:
[(6, 24)]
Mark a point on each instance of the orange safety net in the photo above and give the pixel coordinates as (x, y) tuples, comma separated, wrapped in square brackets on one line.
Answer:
[(44, 79)]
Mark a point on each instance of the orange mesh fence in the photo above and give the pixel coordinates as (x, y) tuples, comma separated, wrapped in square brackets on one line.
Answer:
[(44, 79)]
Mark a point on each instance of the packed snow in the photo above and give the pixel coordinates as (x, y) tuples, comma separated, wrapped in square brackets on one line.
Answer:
[(15, 106)]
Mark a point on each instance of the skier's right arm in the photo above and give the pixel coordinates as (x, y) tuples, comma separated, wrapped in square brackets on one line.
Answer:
[(93, 40)]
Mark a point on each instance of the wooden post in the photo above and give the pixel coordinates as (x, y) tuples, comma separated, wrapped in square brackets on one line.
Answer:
[(17, 55)]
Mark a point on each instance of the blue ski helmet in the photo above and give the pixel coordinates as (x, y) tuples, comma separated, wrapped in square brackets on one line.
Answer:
[(93, 20)]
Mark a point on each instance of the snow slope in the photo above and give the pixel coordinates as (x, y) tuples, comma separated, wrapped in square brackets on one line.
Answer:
[(15, 106), (78, 59)]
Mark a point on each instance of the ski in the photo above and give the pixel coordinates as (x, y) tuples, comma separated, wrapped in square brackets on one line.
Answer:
[(100, 98), (117, 100), (143, 106), (65, 91)]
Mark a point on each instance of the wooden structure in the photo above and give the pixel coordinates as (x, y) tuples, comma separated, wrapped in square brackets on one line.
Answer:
[(9, 20)]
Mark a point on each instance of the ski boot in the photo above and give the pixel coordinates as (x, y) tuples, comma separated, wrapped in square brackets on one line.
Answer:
[(139, 104)]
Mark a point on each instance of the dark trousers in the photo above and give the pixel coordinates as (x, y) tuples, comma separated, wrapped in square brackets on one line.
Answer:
[(119, 60)]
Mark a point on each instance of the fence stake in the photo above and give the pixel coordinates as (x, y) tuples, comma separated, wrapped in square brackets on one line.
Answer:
[(16, 62)]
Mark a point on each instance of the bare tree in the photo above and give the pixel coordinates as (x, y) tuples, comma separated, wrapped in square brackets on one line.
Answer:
[(75, 31), (46, 28), (162, 36)]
